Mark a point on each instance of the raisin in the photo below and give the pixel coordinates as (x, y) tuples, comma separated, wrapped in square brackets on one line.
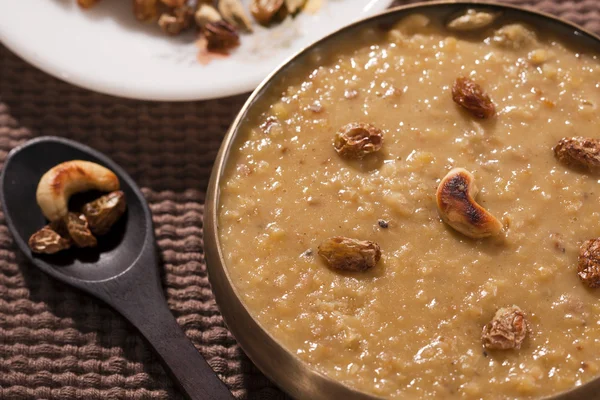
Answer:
[(48, 240), (105, 211), (579, 152), (507, 330), (588, 267), (79, 231), (221, 35), (472, 98), (345, 254), (356, 140)]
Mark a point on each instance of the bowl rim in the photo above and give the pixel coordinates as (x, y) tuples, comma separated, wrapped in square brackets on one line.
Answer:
[(282, 367)]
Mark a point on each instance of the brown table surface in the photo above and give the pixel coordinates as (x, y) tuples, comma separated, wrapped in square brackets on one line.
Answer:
[(56, 343)]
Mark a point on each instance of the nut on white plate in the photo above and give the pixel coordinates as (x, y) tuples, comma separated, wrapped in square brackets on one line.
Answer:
[(472, 20), (62, 181), (457, 206), (206, 14)]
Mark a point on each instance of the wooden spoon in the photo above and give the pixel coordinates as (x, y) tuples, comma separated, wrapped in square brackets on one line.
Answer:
[(123, 271)]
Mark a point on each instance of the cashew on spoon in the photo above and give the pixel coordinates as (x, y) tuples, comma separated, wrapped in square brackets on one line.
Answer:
[(457, 207), (59, 183)]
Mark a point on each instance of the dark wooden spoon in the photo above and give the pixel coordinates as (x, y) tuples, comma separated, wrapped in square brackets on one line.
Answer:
[(123, 271)]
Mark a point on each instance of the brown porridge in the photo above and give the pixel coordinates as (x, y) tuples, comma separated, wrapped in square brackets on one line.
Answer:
[(411, 325)]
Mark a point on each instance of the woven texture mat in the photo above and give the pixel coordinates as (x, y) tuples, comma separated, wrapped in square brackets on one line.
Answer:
[(56, 343)]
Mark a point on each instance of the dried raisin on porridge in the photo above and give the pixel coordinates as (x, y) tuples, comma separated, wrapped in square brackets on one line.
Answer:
[(507, 330), (579, 152), (356, 140), (470, 96), (346, 254), (588, 267)]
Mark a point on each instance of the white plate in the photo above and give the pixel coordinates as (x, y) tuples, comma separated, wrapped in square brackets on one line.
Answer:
[(105, 49)]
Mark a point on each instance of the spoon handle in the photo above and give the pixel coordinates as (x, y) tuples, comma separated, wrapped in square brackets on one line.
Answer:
[(149, 313)]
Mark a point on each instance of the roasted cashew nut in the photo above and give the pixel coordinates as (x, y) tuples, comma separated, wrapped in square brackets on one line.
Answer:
[(59, 183), (457, 207)]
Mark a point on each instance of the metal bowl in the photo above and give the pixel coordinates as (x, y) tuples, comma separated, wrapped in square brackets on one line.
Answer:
[(285, 369)]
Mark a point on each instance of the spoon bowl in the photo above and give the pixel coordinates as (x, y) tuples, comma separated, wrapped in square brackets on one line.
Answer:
[(20, 177), (123, 270)]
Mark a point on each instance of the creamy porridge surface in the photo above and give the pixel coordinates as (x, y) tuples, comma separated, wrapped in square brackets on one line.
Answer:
[(411, 326)]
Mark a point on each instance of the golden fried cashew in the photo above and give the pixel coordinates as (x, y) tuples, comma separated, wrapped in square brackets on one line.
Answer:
[(457, 207), (472, 20), (59, 183)]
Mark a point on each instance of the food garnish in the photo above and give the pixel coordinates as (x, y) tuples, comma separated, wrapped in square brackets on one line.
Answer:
[(356, 140), (472, 20), (48, 241), (59, 183), (96, 217), (346, 254), (145, 10), (457, 206), (206, 14), (579, 152), (588, 268), (220, 35), (105, 211), (265, 11), (177, 16), (233, 12), (507, 330), (176, 21), (470, 96), (79, 231), (515, 36)]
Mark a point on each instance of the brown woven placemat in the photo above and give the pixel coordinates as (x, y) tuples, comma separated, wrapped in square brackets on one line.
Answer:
[(56, 343)]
